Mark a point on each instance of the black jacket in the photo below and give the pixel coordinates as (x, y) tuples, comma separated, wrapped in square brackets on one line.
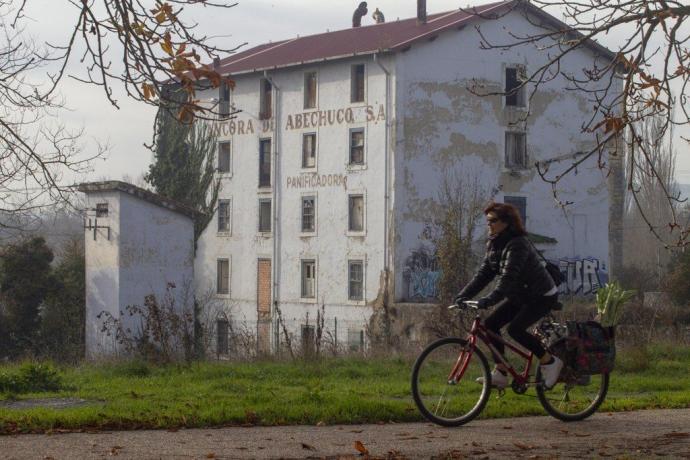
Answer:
[(518, 266)]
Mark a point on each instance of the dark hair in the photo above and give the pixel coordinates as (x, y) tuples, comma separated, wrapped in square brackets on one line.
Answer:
[(508, 214)]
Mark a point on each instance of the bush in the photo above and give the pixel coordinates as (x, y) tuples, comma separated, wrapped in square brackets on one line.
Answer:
[(31, 378)]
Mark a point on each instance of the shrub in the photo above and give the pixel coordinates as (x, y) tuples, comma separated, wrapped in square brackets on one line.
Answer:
[(31, 378)]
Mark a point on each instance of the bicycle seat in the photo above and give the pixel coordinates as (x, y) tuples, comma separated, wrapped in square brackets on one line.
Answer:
[(557, 307)]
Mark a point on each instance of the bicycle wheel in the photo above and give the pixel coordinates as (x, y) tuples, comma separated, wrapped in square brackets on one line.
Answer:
[(574, 399), (439, 398)]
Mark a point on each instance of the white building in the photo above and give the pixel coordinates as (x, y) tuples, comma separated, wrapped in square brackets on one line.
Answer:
[(332, 167), (136, 244)]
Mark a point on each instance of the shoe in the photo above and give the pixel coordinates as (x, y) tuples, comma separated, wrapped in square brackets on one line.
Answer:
[(550, 372), (498, 379)]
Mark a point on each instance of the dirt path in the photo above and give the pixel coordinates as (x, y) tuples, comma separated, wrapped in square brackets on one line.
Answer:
[(642, 434)]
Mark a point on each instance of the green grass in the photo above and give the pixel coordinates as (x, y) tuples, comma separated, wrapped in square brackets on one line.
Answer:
[(135, 395)]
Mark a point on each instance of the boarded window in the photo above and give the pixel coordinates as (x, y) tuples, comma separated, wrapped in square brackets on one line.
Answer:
[(520, 202), (223, 279), (224, 157), (355, 280), (308, 279), (224, 100), (357, 83), (355, 339), (356, 213), (222, 332), (515, 96), (265, 215), (310, 90), (516, 150), (309, 150), (308, 339), (308, 214), (101, 209), (265, 163), (265, 99), (223, 215), (357, 146)]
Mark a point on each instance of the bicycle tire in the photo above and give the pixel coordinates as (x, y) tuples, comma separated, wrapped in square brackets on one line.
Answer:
[(547, 398), (424, 392)]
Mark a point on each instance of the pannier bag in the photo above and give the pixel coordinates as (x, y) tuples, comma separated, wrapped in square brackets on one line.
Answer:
[(591, 348)]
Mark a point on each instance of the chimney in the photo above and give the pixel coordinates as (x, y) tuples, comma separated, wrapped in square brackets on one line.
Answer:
[(421, 11)]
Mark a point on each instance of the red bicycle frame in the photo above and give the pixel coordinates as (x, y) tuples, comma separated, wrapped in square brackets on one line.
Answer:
[(479, 331)]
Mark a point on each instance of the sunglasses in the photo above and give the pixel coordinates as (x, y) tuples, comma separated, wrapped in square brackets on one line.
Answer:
[(492, 220)]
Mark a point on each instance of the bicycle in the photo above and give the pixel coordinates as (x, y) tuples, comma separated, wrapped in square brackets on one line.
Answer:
[(446, 389)]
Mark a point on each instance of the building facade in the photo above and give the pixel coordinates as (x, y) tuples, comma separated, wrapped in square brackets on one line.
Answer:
[(331, 168)]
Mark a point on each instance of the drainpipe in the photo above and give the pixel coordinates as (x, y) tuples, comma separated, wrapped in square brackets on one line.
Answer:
[(275, 263), (386, 196)]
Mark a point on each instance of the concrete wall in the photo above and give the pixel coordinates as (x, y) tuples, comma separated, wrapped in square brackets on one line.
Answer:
[(150, 251), (445, 130)]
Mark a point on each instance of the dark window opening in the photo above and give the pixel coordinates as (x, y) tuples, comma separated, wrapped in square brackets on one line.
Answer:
[(265, 100), (357, 83), (265, 163)]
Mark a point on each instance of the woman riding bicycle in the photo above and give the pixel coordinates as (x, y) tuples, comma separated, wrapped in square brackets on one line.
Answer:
[(524, 289)]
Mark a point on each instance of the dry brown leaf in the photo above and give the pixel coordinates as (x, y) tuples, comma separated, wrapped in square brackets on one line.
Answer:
[(677, 435), (210, 455), (522, 446), (307, 446), (360, 448), (582, 435)]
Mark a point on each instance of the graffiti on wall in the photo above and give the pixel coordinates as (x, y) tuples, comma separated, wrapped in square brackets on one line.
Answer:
[(583, 276), (421, 275)]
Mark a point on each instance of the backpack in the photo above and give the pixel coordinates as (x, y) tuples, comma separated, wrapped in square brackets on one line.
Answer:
[(551, 268), (590, 348)]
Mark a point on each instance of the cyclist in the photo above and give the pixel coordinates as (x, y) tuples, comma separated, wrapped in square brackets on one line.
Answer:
[(524, 289)]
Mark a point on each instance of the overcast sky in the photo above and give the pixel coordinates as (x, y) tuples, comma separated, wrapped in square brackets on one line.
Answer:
[(251, 21)]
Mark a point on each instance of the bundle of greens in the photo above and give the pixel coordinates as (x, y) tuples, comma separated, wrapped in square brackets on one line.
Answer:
[(610, 301)]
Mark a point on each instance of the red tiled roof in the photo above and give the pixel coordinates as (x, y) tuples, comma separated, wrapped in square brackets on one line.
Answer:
[(386, 37)]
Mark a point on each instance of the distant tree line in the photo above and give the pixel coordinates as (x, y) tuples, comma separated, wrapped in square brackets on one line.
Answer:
[(42, 304)]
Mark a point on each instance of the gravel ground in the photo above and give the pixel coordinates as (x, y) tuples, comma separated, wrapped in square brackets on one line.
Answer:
[(641, 434)]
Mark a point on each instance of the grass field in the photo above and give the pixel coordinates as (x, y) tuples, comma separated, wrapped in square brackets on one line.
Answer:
[(134, 395)]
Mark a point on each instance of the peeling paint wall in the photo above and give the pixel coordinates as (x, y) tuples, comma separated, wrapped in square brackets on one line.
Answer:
[(149, 247), (443, 128)]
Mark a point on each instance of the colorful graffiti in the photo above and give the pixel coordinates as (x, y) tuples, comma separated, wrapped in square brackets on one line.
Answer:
[(421, 275), (583, 276)]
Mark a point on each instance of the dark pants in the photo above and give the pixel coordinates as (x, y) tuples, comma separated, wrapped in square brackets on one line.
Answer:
[(520, 314)]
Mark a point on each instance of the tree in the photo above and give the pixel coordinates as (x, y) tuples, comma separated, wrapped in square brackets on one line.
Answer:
[(63, 313), (651, 65), (452, 230), (25, 280), (140, 45), (183, 168)]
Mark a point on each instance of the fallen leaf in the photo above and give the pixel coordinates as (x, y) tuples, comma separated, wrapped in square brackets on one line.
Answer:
[(210, 455), (409, 438), (677, 435), (307, 446), (605, 454), (507, 427), (356, 431), (522, 446), (360, 448), (475, 443), (321, 423), (582, 435)]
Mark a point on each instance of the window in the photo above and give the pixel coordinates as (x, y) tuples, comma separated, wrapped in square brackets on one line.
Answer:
[(265, 163), (309, 150), (265, 104), (356, 213), (516, 150), (101, 209), (264, 216), (514, 77), (357, 83), (223, 280), (355, 339), (308, 279), (310, 90), (355, 280), (222, 329), (308, 214), (224, 100), (520, 202), (357, 146), (223, 215), (224, 157)]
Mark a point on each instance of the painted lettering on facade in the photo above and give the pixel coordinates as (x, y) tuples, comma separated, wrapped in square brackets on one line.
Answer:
[(421, 275), (313, 180), (583, 276), (332, 117)]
